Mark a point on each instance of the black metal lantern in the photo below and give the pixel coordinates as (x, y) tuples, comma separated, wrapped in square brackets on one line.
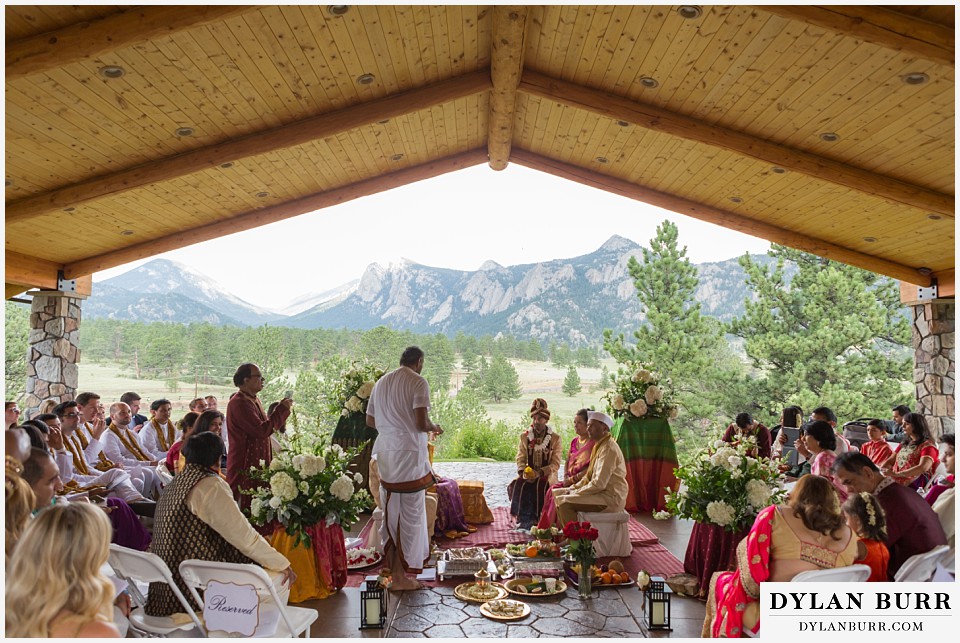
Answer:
[(656, 604), (373, 605)]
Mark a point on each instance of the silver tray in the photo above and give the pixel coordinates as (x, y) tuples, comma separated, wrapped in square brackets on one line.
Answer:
[(464, 566)]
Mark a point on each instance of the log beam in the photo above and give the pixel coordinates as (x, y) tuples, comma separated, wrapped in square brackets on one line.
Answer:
[(506, 65), (661, 120), (87, 40), (32, 272), (946, 288), (880, 26), (719, 217), (290, 209), (290, 135)]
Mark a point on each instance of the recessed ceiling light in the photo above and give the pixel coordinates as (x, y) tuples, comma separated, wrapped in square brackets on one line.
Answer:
[(262, 195), (126, 233), (915, 78), (227, 165), (623, 123), (649, 82), (9, 182), (338, 9), (870, 239), (112, 71), (183, 132), (926, 272), (830, 137), (69, 208), (396, 157), (689, 11), (602, 159), (365, 79), (934, 217), (778, 170), (736, 199)]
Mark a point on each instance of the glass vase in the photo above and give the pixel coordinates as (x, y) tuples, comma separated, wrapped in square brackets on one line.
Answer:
[(585, 580)]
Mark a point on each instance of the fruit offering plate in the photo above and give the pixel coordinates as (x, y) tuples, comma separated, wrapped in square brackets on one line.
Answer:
[(527, 587), (468, 592), (362, 558), (505, 610), (600, 584), (523, 552)]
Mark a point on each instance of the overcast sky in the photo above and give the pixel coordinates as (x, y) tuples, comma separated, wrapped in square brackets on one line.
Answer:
[(457, 221)]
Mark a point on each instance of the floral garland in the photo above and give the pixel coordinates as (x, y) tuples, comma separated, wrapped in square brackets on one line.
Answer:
[(543, 444), (639, 392)]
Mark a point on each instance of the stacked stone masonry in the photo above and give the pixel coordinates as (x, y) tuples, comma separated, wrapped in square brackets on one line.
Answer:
[(934, 371), (54, 348)]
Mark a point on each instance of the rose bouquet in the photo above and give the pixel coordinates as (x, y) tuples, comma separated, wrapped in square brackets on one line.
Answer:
[(640, 392), (581, 536), (351, 393), (725, 485), (306, 483)]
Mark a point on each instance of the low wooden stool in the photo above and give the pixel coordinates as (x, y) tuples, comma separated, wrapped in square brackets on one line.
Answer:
[(475, 510)]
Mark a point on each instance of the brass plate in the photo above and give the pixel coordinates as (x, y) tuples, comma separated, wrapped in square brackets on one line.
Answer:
[(485, 610), (511, 587), (460, 592)]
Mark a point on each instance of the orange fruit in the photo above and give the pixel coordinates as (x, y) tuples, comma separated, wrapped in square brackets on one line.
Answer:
[(606, 578), (624, 577), (532, 551)]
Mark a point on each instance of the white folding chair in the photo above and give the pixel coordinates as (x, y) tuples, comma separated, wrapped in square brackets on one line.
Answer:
[(133, 566), (919, 568), (294, 621), (848, 574)]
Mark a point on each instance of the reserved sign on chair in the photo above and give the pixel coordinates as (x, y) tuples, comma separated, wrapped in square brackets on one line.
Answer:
[(231, 608)]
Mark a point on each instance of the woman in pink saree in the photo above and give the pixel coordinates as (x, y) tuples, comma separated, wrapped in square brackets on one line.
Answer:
[(808, 533), (577, 462)]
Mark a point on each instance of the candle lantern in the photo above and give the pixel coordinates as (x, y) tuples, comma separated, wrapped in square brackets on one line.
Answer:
[(656, 605), (373, 604)]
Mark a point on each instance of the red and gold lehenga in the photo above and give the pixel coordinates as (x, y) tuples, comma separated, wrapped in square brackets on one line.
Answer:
[(577, 462)]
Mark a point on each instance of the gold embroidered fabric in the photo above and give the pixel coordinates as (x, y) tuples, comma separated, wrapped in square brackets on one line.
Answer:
[(166, 440), (75, 445), (130, 442)]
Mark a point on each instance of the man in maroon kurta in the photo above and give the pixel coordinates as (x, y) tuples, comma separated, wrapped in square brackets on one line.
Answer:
[(250, 429)]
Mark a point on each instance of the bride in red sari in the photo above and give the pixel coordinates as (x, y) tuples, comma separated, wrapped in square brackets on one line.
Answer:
[(808, 533), (577, 462)]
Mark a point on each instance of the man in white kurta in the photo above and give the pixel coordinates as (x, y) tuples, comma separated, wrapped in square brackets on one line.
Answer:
[(398, 409), (121, 446)]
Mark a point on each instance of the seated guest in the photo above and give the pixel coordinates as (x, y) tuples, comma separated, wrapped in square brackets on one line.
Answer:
[(876, 448), (62, 551), (791, 417), (157, 435), (197, 518), (604, 486), (899, 412), (746, 426), (825, 414), (11, 414), (198, 405), (944, 494), (819, 441), (38, 436), (912, 526), (803, 465), (18, 498), (538, 461), (779, 546), (949, 459), (208, 421), (578, 459), (916, 458), (121, 445), (451, 519), (865, 517)]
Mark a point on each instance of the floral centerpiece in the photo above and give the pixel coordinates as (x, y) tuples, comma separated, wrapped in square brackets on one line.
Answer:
[(581, 536), (351, 393), (308, 482), (725, 485), (641, 393)]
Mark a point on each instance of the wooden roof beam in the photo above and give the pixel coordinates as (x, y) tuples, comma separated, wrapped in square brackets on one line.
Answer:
[(86, 40), (661, 120), (290, 209), (506, 65), (880, 26), (290, 135), (33, 272), (720, 217)]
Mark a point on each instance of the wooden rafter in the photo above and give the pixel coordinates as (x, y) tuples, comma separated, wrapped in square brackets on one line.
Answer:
[(661, 120), (90, 39), (719, 217), (257, 218), (878, 25), (292, 134), (30, 271), (506, 65)]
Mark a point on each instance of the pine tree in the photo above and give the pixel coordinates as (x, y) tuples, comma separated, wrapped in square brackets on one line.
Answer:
[(16, 331), (571, 383), (604, 382), (834, 335), (501, 381)]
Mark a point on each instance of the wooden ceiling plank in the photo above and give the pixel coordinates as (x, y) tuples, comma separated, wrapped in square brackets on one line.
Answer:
[(720, 217), (878, 25), (254, 144), (626, 61), (409, 42), (506, 65), (441, 46), (456, 40), (87, 40), (678, 125), (273, 34), (257, 218)]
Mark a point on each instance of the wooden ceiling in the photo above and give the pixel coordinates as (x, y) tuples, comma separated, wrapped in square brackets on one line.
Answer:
[(222, 119)]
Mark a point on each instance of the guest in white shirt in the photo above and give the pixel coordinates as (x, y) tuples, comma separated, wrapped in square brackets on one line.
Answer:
[(159, 434)]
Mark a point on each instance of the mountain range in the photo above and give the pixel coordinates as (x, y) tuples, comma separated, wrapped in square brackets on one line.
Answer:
[(569, 300)]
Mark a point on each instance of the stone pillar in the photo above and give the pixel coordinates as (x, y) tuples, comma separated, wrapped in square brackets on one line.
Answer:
[(934, 366), (54, 348)]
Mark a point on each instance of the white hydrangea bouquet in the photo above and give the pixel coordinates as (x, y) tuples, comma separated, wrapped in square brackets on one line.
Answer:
[(308, 482), (725, 486), (640, 392), (351, 393)]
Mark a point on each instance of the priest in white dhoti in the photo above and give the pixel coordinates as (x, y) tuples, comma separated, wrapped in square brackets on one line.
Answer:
[(398, 409)]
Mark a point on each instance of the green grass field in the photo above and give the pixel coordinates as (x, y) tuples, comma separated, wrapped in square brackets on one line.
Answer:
[(110, 382)]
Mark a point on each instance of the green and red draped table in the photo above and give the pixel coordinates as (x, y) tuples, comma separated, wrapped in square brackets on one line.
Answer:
[(711, 549), (651, 456), (351, 432)]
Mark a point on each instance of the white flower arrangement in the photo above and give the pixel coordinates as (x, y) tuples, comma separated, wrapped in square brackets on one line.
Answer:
[(639, 392), (352, 392), (720, 513)]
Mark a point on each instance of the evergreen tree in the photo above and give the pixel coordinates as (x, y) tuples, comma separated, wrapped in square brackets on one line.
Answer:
[(16, 331), (835, 336), (604, 382), (571, 383), (501, 381)]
